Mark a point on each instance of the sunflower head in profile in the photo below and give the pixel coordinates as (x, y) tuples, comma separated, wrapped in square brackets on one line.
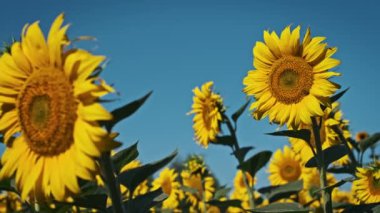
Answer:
[(197, 177), (291, 79), (366, 188), (207, 109), (50, 116), (285, 167), (332, 116), (168, 181)]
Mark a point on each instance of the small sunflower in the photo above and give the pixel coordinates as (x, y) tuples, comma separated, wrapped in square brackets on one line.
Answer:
[(10, 202), (291, 79), (167, 180), (311, 183), (239, 184), (207, 107), (332, 116), (196, 176), (141, 189), (285, 167), (339, 196), (243, 196), (367, 187), (50, 114), (361, 136)]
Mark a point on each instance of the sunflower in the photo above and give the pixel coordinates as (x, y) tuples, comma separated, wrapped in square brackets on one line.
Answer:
[(332, 116), (339, 196), (50, 112), (311, 183), (367, 187), (291, 79), (196, 177), (167, 180), (208, 108), (361, 136), (285, 167), (243, 196), (10, 202), (239, 183)]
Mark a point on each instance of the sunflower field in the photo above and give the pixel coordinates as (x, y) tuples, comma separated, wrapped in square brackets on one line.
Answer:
[(63, 153)]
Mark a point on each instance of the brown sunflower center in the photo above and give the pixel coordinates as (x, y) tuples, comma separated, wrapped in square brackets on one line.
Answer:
[(209, 112), (291, 79), (167, 186), (47, 111), (290, 172), (195, 182)]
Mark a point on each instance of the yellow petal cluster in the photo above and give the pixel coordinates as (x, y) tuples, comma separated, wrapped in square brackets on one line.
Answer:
[(50, 114), (291, 77)]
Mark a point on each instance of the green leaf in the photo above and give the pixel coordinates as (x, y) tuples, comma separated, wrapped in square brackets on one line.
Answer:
[(224, 140), (133, 177), (95, 201), (90, 188), (240, 111), (223, 205), (335, 98), (123, 157), (373, 207), (275, 193), (303, 134), (338, 96), (222, 192), (256, 162), (281, 208), (144, 202), (242, 152), (337, 184), (342, 170), (6, 185), (368, 142), (330, 154), (125, 111), (189, 189)]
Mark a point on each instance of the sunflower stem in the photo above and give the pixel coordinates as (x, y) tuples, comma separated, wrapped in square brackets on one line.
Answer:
[(112, 183), (344, 141), (235, 148), (326, 194)]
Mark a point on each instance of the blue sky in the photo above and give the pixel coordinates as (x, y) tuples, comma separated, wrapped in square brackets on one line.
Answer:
[(171, 46)]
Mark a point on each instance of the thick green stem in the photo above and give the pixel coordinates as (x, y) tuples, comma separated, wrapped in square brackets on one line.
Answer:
[(344, 141), (111, 182), (236, 148), (326, 193)]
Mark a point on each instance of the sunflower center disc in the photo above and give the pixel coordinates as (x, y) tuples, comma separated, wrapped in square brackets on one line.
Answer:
[(47, 112), (291, 79), (167, 186), (290, 172)]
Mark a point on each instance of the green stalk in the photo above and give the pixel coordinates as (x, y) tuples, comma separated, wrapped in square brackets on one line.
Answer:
[(236, 148), (344, 141), (111, 182), (326, 193)]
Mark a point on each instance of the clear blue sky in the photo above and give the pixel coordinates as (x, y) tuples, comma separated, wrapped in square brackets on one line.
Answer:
[(171, 46)]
